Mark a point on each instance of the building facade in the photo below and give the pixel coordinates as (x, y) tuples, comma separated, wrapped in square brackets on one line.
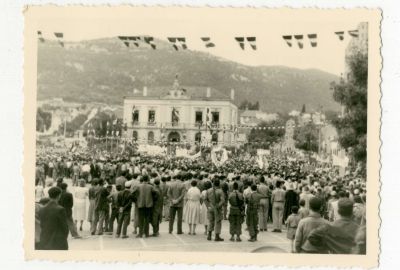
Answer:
[(184, 115)]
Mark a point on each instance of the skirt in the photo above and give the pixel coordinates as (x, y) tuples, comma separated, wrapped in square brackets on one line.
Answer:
[(80, 209), (203, 215), (192, 212)]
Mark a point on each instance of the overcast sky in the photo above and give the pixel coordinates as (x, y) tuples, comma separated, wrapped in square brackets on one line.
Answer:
[(222, 25)]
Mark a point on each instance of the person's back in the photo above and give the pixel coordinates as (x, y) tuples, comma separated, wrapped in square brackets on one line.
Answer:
[(144, 197), (307, 225), (53, 223), (339, 236), (176, 192)]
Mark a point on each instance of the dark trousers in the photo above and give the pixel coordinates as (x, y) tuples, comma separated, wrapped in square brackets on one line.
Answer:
[(98, 221), (252, 222), (156, 220), (144, 220), (235, 224), (114, 216), (172, 212), (72, 226), (123, 222)]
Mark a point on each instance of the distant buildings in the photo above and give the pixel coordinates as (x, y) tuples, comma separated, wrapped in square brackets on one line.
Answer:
[(180, 115)]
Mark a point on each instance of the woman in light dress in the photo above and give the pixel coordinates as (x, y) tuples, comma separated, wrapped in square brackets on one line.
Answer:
[(81, 193), (203, 208), (192, 210)]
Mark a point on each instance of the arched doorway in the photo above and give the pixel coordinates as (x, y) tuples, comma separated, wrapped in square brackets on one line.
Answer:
[(174, 137)]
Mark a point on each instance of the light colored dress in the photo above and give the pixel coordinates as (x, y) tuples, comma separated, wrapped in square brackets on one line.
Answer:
[(203, 210), (192, 210), (80, 196)]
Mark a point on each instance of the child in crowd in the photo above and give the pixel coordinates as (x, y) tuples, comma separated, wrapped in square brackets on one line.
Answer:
[(291, 224)]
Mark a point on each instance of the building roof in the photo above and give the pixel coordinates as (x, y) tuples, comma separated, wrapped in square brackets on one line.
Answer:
[(191, 93)]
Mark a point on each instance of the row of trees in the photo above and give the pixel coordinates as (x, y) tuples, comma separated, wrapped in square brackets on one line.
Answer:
[(43, 120)]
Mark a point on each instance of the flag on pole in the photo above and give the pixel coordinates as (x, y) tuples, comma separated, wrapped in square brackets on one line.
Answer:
[(209, 119)]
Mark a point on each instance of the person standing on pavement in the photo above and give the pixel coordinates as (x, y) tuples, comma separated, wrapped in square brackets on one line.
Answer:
[(100, 208), (176, 193), (278, 202), (113, 199), (236, 213), (124, 205), (265, 193), (67, 201), (253, 203), (145, 195), (215, 201), (158, 208)]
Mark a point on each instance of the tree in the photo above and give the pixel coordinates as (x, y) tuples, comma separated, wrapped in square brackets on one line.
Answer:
[(306, 137), (269, 135), (352, 94), (43, 120)]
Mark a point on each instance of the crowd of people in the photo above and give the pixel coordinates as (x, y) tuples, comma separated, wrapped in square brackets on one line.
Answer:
[(320, 211)]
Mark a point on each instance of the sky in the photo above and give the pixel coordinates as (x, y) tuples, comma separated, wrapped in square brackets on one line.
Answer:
[(222, 26)]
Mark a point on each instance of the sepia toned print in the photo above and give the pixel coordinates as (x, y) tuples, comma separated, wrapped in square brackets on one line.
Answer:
[(202, 135)]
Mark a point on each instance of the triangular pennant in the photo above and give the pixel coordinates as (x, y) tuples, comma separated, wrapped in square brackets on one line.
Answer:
[(40, 36), (340, 35), (313, 39), (288, 40), (353, 33)]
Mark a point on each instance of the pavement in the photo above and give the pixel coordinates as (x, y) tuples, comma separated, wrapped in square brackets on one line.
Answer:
[(267, 241)]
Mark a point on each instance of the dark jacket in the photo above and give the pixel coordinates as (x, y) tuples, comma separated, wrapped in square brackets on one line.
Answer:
[(145, 195), (335, 238), (101, 200), (54, 228), (67, 201), (124, 200)]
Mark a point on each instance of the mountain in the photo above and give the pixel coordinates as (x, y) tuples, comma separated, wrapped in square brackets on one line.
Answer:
[(105, 70)]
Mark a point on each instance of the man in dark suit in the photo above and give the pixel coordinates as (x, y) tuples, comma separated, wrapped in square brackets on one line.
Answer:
[(67, 201), (176, 193), (145, 195), (53, 223), (100, 208)]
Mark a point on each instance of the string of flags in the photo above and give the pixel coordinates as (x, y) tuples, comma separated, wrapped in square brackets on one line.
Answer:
[(179, 43)]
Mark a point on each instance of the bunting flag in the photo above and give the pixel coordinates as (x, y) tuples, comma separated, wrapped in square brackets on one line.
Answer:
[(288, 40), (208, 42), (150, 41), (250, 40), (299, 39), (313, 39), (178, 42), (240, 40), (340, 35), (40, 36), (353, 33), (60, 38), (124, 40), (135, 40)]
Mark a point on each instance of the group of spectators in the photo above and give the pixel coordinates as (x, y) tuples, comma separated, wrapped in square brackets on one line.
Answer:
[(320, 211)]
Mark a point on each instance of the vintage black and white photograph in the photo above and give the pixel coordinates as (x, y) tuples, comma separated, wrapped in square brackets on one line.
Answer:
[(200, 131)]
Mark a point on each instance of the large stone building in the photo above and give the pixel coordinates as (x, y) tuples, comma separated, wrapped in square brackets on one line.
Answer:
[(180, 114)]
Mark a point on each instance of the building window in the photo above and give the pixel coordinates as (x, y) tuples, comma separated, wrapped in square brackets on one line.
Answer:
[(214, 138), (152, 117), (150, 137), (135, 135), (215, 119), (135, 117), (199, 118), (197, 137)]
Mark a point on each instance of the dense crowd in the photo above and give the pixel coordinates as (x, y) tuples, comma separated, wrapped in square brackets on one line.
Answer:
[(320, 211)]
